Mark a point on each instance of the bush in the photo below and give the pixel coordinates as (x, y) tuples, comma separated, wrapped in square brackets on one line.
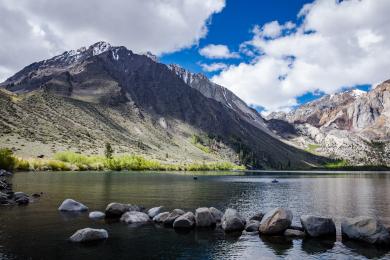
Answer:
[(7, 159), (22, 165)]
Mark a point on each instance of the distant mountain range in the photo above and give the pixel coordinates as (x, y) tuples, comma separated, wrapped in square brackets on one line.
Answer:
[(81, 99)]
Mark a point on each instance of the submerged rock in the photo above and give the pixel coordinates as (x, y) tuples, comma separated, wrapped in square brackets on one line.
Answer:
[(89, 234), (72, 205), (154, 211), (185, 221), (252, 226), (172, 216), (161, 217), (316, 226), (275, 221), (258, 216), (232, 221), (135, 217), (294, 233), (96, 215), (204, 218), (366, 229), (217, 214)]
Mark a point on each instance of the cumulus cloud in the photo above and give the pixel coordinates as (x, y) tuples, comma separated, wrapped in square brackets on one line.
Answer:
[(217, 51), (34, 30), (213, 67), (338, 44)]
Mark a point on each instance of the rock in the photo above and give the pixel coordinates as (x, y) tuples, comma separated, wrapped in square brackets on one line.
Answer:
[(275, 221), (36, 195), (294, 233), (366, 229), (135, 217), (96, 215), (21, 198), (116, 210), (172, 216), (258, 216), (204, 218), (232, 221), (161, 217), (154, 211), (20, 194), (217, 214), (3, 198), (5, 173), (72, 205), (185, 221), (296, 228), (316, 226), (89, 234), (252, 226)]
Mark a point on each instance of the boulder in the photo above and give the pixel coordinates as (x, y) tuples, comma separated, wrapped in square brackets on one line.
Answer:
[(316, 226), (161, 217), (116, 210), (275, 221), (4, 173), (258, 216), (154, 211), (96, 215), (204, 218), (89, 234), (366, 229), (252, 226), (3, 198), (294, 233), (185, 221), (232, 221), (172, 216), (135, 217), (217, 214), (72, 205)]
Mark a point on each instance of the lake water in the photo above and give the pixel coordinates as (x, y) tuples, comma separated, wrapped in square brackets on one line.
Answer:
[(39, 231)]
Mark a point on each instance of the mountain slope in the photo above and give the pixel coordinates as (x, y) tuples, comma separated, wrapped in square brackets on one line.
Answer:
[(104, 81)]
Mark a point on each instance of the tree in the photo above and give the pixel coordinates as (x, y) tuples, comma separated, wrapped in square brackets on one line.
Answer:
[(109, 151)]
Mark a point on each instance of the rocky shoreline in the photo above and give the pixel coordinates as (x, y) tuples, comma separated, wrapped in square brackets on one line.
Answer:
[(277, 222)]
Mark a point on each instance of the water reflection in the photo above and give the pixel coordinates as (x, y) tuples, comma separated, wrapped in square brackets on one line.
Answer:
[(279, 244)]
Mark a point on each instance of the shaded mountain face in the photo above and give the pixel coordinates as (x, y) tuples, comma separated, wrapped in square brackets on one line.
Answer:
[(352, 125), (116, 78)]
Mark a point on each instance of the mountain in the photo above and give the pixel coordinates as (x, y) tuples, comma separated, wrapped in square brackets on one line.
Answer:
[(81, 99), (352, 125)]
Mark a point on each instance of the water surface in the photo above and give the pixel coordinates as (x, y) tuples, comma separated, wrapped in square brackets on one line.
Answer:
[(39, 231)]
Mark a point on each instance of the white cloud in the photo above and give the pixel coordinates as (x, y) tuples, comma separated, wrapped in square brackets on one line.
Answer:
[(217, 51), (338, 45), (34, 30), (213, 67)]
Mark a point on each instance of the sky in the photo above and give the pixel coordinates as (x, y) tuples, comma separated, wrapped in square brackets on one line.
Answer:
[(275, 55)]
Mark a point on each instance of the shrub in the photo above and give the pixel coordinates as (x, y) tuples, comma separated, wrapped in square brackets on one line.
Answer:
[(7, 159)]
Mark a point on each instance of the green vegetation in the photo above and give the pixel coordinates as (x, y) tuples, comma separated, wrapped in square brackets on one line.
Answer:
[(336, 164), (201, 143), (7, 160), (311, 148), (109, 151)]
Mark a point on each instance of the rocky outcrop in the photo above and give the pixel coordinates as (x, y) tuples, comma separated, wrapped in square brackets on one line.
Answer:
[(275, 221), (89, 234), (136, 217), (366, 229), (185, 221), (72, 205), (232, 221), (316, 226), (204, 217)]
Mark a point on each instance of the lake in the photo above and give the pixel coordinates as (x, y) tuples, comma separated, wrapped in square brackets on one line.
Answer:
[(40, 231)]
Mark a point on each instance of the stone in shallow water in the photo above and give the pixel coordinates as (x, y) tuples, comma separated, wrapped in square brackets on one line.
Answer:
[(185, 221), (252, 226), (316, 226), (232, 221), (96, 215), (72, 205), (116, 210), (258, 216), (276, 221), (172, 216), (366, 229), (135, 217), (204, 218), (294, 233), (89, 234), (154, 211), (217, 214), (161, 217)]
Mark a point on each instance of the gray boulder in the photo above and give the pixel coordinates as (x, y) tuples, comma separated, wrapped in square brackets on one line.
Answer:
[(185, 221), (366, 229), (172, 216), (96, 215), (135, 217), (252, 226), (161, 217), (116, 210), (154, 211), (72, 205), (217, 214), (258, 216), (275, 221), (21, 198), (232, 221), (316, 226), (204, 218), (89, 234), (294, 233)]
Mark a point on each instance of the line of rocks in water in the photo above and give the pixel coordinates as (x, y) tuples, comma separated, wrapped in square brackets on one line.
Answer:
[(8, 196), (275, 222)]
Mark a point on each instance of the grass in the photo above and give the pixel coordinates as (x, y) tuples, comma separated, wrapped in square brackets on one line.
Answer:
[(336, 164), (311, 148), (199, 143), (66, 161)]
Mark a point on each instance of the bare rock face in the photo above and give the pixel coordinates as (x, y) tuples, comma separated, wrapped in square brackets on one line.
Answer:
[(89, 234), (366, 229), (275, 221), (72, 205), (316, 226)]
